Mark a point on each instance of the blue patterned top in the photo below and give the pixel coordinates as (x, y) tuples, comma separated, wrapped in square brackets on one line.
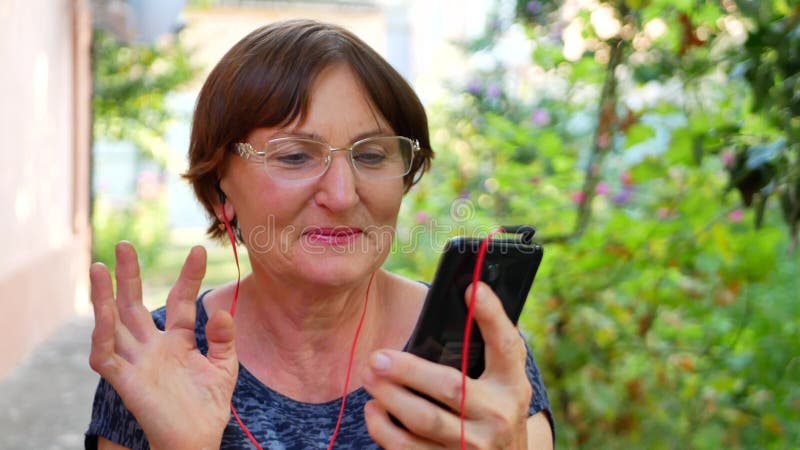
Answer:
[(276, 421)]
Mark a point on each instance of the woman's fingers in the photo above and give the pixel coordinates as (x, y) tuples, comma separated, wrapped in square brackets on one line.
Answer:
[(388, 435), (132, 312), (421, 416), (504, 349), (103, 358), (221, 335), (441, 383), (181, 309)]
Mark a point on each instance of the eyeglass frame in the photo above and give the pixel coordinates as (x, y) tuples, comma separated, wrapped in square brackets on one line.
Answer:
[(246, 151)]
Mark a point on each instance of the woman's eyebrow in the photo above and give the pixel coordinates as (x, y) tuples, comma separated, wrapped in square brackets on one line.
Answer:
[(318, 137)]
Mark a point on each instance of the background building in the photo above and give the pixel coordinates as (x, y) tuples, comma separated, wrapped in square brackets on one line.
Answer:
[(44, 155)]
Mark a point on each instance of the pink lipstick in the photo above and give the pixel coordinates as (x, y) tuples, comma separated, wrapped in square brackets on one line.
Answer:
[(339, 235)]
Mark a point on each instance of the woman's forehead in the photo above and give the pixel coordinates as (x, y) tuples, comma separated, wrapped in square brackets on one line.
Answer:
[(339, 107)]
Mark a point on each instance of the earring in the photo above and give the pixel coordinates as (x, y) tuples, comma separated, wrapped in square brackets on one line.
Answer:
[(221, 226)]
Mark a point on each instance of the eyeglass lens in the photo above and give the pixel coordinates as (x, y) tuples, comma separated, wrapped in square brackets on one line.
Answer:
[(298, 159)]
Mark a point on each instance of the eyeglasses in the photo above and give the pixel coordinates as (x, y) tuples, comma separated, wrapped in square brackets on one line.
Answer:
[(293, 159)]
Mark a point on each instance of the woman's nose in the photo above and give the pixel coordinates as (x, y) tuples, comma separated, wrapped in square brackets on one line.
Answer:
[(337, 186)]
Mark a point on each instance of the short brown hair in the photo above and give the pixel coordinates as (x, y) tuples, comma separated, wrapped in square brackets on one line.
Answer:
[(265, 80)]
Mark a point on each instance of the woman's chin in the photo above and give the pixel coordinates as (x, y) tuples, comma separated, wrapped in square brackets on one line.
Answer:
[(338, 269)]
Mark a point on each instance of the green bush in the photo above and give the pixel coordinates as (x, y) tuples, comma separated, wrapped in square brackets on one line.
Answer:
[(660, 166)]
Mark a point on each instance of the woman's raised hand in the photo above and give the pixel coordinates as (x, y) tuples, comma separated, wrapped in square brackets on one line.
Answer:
[(179, 397), (496, 409)]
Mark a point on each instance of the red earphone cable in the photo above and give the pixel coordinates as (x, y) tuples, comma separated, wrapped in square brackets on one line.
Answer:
[(236, 257), (352, 349), (350, 363), (476, 276), (233, 311)]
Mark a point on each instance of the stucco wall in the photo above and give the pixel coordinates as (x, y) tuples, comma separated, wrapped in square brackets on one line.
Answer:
[(44, 151)]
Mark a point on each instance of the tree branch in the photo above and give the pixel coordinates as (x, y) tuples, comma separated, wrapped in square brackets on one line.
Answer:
[(606, 128)]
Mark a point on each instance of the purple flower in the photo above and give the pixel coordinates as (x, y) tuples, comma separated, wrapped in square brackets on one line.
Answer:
[(494, 91), (624, 196), (540, 117), (475, 87), (534, 7), (736, 215), (602, 188)]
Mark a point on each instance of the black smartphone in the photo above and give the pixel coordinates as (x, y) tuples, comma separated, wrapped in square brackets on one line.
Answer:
[(509, 268)]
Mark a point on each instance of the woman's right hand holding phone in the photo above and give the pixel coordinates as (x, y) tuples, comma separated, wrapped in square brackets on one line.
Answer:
[(496, 409), (179, 397)]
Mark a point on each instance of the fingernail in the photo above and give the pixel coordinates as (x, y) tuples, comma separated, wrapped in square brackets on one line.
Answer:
[(380, 361), (479, 292)]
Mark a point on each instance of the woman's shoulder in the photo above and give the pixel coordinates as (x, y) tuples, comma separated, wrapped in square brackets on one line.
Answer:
[(401, 305), (404, 293), (406, 286)]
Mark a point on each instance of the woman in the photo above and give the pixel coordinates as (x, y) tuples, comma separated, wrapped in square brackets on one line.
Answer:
[(303, 144)]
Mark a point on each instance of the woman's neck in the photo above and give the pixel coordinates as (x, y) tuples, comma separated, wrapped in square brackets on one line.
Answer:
[(297, 339)]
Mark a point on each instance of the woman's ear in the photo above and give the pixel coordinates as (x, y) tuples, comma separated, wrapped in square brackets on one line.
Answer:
[(224, 206)]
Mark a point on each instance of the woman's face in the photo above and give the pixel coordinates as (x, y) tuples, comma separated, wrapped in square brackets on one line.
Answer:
[(332, 230)]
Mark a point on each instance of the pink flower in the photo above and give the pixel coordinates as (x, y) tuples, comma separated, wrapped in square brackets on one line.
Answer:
[(602, 188), (148, 185), (578, 197), (736, 215), (603, 140), (422, 217), (727, 157)]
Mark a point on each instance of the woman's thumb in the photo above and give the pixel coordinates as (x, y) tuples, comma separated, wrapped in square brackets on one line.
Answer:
[(221, 333)]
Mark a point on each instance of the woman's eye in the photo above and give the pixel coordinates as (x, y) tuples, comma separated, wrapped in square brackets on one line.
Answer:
[(370, 157), (292, 158)]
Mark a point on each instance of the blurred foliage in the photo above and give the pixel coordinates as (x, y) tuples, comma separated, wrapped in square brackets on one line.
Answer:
[(655, 146), (131, 83), (143, 222)]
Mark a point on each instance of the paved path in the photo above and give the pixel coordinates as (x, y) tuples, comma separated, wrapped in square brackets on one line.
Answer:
[(46, 402)]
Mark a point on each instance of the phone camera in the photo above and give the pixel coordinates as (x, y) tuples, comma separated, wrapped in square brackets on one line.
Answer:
[(492, 272)]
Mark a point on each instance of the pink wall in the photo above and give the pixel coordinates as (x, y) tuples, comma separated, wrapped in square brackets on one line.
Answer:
[(44, 160)]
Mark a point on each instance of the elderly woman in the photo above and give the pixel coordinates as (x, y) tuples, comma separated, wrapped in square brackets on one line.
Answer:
[(304, 142)]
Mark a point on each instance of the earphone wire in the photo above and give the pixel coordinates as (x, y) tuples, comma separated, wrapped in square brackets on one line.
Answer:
[(476, 276), (352, 349)]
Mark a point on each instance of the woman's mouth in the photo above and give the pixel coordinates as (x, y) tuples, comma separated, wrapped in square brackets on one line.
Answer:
[(339, 235)]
